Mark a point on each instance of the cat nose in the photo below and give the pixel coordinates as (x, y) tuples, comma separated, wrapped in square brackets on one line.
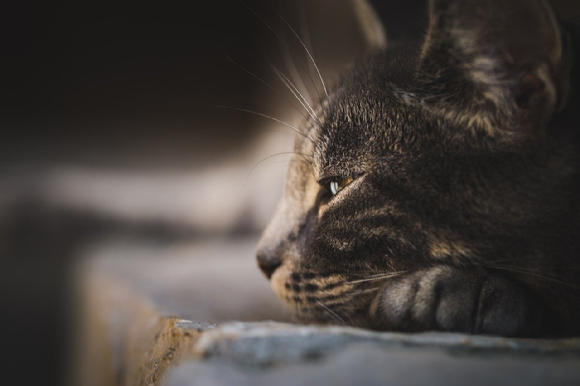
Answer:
[(268, 261)]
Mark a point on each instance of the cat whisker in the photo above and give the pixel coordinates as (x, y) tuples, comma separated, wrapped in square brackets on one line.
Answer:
[(284, 43), (266, 165), (279, 162), (307, 51), (532, 273), (365, 291), (529, 270), (294, 73), (297, 94), (305, 157), (376, 277), (332, 313), (367, 274), (267, 85), (352, 322), (305, 33), (268, 117), (504, 261)]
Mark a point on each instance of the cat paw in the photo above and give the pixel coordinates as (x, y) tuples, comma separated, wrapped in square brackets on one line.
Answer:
[(457, 300)]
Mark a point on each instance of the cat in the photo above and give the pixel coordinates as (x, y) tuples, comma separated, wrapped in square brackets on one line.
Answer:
[(436, 185)]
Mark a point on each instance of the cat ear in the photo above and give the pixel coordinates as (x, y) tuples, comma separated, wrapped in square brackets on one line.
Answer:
[(495, 65)]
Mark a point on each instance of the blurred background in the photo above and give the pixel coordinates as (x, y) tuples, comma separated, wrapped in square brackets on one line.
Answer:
[(109, 128)]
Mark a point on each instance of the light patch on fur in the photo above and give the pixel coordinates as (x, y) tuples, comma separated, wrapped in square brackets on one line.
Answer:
[(340, 244), (485, 70), (441, 248), (472, 120), (406, 97)]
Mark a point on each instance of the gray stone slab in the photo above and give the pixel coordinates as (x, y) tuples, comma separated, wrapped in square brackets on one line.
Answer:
[(371, 365), (285, 354)]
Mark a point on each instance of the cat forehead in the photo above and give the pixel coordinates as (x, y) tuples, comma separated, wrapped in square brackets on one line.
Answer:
[(366, 121)]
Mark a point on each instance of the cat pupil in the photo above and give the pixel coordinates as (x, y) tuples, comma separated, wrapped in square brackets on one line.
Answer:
[(334, 188), (338, 185)]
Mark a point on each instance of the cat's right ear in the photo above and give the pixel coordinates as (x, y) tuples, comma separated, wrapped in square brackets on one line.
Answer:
[(497, 66)]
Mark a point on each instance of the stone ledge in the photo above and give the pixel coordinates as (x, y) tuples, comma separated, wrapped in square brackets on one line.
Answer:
[(259, 343), (158, 315), (373, 365), (284, 354)]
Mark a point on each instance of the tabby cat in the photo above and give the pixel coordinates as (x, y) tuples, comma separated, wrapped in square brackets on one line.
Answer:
[(436, 186)]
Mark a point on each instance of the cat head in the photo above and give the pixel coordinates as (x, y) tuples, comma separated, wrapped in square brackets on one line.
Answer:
[(436, 155)]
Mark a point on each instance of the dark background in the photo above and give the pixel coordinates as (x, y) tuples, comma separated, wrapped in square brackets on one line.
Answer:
[(118, 84), (95, 74), (107, 84)]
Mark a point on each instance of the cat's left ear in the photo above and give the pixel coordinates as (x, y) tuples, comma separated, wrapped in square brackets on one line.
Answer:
[(495, 65)]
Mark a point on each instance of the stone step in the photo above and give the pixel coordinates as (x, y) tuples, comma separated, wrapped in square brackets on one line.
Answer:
[(202, 314)]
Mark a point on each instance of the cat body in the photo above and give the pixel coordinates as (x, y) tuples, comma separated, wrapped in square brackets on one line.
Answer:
[(437, 186)]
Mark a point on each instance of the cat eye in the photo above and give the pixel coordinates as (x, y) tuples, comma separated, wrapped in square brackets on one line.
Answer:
[(337, 185)]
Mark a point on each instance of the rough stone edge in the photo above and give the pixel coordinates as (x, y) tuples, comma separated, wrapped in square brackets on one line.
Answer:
[(258, 343), (122, 338)]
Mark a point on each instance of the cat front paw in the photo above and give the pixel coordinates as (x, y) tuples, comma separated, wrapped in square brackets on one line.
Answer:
[(458, 300)]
